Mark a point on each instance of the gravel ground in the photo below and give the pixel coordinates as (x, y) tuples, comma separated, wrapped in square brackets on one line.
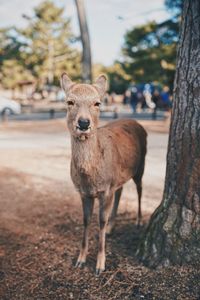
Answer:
[(41, 224)]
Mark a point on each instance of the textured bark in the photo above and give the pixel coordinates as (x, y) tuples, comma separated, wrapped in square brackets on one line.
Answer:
[(173, 234), (85, 38)]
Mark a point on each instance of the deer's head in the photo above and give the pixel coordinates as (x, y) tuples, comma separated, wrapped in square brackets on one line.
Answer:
[(83, 105)]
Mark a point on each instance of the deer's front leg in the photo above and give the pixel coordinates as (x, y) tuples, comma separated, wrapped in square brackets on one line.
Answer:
[(105, 206), (88, 204)]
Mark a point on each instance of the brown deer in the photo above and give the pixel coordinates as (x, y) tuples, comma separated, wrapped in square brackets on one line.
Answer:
[(103, 159)]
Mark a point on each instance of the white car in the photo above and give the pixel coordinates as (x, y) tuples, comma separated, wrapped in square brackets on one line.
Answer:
[(8, 106)]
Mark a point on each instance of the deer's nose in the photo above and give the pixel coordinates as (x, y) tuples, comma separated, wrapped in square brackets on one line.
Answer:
[(83, 123)]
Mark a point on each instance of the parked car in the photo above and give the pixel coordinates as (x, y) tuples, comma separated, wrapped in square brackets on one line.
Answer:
[(8, 106)]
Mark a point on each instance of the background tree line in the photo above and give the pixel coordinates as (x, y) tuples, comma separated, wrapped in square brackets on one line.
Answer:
[(46, 47)]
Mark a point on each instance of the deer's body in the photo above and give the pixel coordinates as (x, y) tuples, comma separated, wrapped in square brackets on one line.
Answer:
[(103, 159), (109, 158)]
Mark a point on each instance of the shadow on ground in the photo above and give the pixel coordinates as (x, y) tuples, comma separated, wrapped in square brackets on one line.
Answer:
[(40, 232)]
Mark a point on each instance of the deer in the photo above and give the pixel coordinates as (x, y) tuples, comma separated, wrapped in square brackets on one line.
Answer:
[(102, 159)]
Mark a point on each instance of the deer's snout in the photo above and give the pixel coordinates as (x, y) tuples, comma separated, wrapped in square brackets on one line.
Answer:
[(83, 124)]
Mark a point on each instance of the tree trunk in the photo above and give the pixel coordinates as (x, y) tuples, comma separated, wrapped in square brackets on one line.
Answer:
[(173, 233), (86, 55)]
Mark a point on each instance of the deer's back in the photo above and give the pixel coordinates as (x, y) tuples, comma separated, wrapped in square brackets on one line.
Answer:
[(124, 142), (125, 133)]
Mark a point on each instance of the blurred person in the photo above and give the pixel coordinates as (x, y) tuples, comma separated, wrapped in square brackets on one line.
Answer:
[(134, 99), (157, 100), (60, 95), (165, 95), (112, 97), (126, 97), (106, 99), (148, 97), (141, 101)]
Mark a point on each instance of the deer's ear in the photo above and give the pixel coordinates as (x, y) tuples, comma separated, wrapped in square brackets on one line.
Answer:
[(101, 84), (65, 82)]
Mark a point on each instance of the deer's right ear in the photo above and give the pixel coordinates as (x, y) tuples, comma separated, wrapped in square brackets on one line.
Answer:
[(65, 82)]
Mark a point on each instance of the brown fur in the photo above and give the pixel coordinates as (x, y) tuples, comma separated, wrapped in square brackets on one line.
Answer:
[(103, 159)]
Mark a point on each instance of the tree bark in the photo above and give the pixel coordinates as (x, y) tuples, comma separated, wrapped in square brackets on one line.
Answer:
[(85, 38), (173, 233)]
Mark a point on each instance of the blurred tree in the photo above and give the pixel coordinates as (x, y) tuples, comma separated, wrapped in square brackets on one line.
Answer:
[(48, 52), (150, 52), (9, 44), (42, 49), (173, 233), (85, 38), (12, 72), (12, 68), (118, 79), (175, 6)]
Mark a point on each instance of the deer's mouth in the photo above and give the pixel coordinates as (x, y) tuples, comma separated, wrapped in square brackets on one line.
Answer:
[(83, 130)]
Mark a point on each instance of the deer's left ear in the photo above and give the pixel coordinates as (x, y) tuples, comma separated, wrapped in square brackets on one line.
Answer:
[(101, 85)]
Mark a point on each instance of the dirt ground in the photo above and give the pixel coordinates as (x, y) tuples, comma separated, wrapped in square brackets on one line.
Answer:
[(41, 224)]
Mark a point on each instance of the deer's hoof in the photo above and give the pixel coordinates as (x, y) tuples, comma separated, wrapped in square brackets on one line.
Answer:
[(79, 264), (99, 271)]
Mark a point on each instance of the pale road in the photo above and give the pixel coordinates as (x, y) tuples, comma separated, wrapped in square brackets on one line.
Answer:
[(45, 154)]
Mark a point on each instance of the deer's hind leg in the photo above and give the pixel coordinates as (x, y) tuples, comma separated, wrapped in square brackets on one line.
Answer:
[(138, 181), (111, 221), (88, 204), (139, 192)]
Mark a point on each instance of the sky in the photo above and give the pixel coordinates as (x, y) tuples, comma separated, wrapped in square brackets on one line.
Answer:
[(108, 20)]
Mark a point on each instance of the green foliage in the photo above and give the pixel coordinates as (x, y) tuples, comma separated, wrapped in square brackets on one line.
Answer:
[(118, 79), (10, 46), (48, 50), (175, 6), (150, 52), (12, 68), (43, 49), (13, 72)]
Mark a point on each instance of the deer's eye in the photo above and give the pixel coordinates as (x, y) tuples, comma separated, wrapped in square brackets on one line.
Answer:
[(97, 104), (71, 103)]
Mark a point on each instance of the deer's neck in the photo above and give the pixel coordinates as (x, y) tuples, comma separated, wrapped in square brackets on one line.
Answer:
[(85, 154)]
